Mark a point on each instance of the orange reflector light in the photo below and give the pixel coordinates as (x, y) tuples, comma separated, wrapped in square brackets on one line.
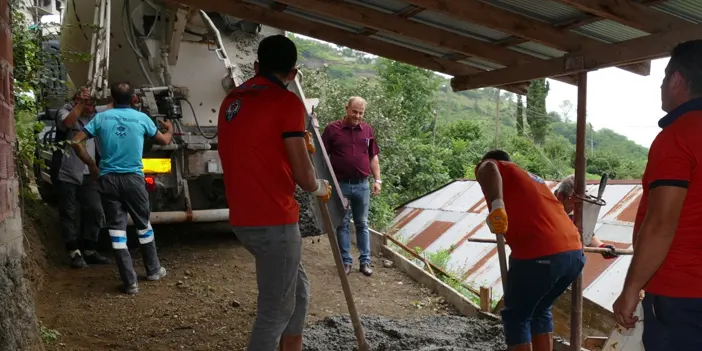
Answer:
[(150, 183)]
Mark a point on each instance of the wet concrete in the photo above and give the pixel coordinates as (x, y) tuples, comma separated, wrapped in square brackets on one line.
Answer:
[(435, 333), (308, 217)]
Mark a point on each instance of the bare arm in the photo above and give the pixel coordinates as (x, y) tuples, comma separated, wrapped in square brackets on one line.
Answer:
[(595, 242), (302, 169), (655, 236), (491, 181), (167, 137), (80, 150), (375, 167), (72, 117)]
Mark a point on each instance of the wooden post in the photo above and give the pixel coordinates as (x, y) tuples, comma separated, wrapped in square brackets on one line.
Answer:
[(485, 299), (576, 317)]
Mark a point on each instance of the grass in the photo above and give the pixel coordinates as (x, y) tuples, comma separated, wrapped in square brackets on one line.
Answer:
[(48, 335)]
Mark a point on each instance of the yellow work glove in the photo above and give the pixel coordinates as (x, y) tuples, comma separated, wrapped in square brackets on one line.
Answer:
[(497, 219), (309, 142), (323, 191)]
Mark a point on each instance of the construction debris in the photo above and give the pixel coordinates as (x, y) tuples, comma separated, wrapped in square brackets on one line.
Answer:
[(434, 333)]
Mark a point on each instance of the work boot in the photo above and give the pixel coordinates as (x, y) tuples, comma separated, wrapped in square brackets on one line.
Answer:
[(77, 260), (347, 268), (94, 257), (366, 269), (158, 275), (542, 342), (290, 343)]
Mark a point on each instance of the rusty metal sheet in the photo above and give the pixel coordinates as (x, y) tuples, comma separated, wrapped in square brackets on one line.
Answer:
[(427, 236)]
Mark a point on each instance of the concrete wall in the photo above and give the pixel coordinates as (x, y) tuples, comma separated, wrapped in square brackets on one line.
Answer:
[(18, 326)]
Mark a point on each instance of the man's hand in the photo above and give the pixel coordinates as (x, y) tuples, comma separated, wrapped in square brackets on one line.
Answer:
[(611, 254), (309, 142), (167, 124), (497, 219), (94, 171), (625, 306), (323, 191), (376, 189)]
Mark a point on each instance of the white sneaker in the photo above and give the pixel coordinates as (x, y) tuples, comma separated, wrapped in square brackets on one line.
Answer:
[(158, 275)]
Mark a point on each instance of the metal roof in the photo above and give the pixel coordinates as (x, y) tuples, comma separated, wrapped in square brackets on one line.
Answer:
[(445, 218), (366, 31)]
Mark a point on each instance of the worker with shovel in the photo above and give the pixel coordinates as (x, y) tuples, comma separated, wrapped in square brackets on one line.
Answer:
[(264, 156), (547, 253)]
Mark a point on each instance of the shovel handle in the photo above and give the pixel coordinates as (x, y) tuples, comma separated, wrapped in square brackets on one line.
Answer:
[(502, 254)]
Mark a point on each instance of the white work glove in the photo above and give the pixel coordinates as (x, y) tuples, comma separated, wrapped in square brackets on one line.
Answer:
[(323, 191)]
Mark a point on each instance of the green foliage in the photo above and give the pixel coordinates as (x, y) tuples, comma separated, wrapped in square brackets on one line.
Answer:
[(48, 335), (536, 113)]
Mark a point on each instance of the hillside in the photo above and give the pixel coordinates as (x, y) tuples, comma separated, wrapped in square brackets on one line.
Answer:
[(477, 105)]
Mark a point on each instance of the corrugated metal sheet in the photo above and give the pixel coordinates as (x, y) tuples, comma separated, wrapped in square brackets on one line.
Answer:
[(411, 44), (609, 31), (690, 10), (388, 6), (444, 219), (552, 12), (539, 50), (461, 27)]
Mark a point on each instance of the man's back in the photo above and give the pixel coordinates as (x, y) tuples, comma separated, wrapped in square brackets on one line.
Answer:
[(120, 132), (253, 120), (538, 226), (674, 157)]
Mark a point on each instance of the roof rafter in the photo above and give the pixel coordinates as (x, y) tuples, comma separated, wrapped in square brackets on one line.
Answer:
[(338, 36), (368, 17), (514, 24), (631, 14), (640, 49)]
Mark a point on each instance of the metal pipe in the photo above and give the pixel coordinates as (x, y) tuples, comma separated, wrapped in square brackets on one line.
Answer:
[(93, 44), (169, 147), (108, 30), (218, 215), (598, 250), (576, 313)]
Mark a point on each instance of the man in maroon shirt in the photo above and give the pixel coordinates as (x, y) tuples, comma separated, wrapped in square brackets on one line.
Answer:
[(353, 153)]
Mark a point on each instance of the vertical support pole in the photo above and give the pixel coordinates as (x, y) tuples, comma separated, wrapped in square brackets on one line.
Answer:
[(576, 315), (497, 119)]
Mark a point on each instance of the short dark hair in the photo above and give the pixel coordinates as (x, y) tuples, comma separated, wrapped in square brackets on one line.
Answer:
[(122, 93), (686, 59), (497, 155), (277, 54)]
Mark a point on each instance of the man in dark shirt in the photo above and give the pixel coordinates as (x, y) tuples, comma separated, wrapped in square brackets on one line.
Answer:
[(667, 234), (353, 153)]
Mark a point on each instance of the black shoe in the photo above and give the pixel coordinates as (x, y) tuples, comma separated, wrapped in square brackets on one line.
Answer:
[(78, 262), (347, 268), (366, 269), (96, 258)]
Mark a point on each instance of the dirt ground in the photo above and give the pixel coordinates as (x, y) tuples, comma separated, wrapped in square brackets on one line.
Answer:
[(207, 301)]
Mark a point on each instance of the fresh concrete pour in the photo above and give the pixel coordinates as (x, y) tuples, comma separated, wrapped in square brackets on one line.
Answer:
[(435, 333)]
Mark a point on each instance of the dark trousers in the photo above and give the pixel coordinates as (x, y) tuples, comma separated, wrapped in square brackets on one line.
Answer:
[(672, 323), (532, 287), (124, 194), (84, 201)]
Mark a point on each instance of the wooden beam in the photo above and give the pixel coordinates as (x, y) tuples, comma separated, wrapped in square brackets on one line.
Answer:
[(630, 13), (338, 36), (365, 16), (514, 24), (636, 50)]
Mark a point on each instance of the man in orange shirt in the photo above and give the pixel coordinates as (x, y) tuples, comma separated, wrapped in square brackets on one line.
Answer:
[(547, 253), (667, 261), (264, 156)]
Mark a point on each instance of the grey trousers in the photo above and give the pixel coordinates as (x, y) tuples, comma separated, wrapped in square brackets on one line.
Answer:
[(283, 288), (86, 199), (122, 194)]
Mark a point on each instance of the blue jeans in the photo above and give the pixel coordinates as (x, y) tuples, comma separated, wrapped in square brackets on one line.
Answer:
[(532, 287), (672, 323), (359, 198)]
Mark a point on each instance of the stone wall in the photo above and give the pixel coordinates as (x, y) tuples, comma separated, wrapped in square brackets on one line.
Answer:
[(18, 325)]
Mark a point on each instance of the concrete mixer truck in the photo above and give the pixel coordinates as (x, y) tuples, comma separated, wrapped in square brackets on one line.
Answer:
[(182, 61)]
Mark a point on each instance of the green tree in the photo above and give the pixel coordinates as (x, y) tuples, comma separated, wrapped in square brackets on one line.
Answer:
[(520, 116), (536, 110)]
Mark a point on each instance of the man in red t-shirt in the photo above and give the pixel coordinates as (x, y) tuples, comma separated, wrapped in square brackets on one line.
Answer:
[(264, 156), (667, 261), (546, 256)]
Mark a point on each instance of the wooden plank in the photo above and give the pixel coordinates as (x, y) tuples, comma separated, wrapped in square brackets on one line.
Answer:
[(485, 299), (636, 50), (631, 14), (514, 24), (338, 36)]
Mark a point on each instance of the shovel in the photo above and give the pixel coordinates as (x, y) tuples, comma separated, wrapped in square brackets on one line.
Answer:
[(502, 255)]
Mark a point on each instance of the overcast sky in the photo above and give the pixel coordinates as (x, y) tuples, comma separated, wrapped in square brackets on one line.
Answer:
[(619, 100)]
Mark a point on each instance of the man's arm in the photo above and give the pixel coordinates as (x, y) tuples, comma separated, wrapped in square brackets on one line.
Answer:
[(164, 138), (375, 167), (656, 234), (490, 180), (80, 150), (70, 119), (302, 169)]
